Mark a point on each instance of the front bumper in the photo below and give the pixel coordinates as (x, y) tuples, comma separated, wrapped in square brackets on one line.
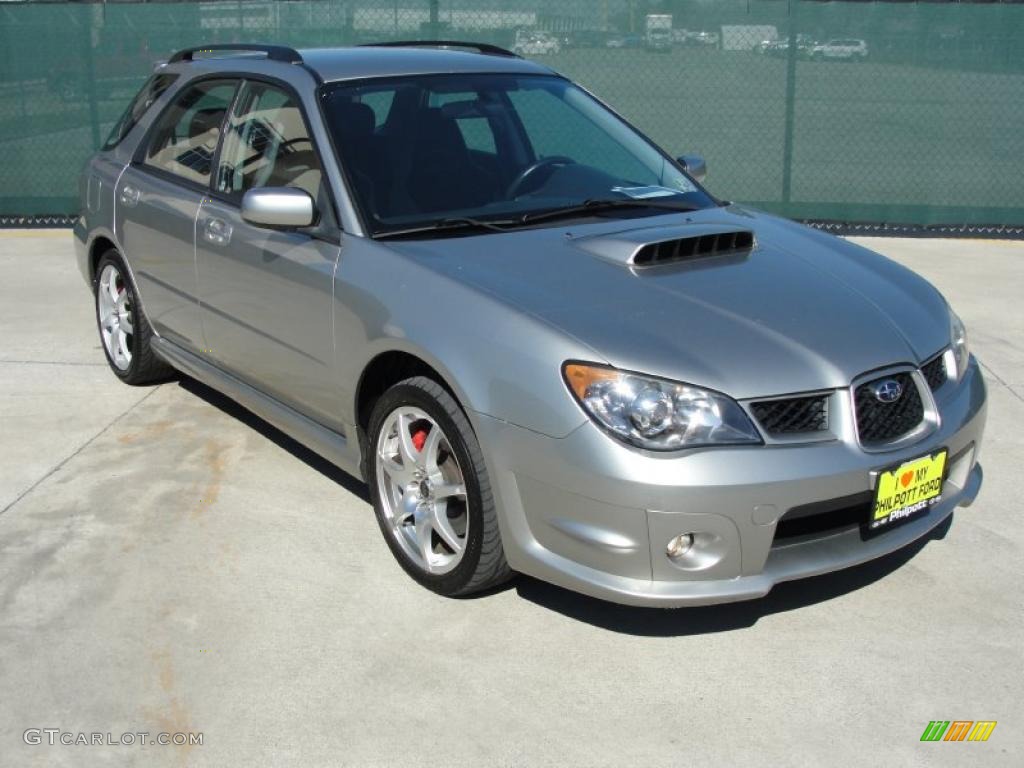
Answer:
[(592, 515)]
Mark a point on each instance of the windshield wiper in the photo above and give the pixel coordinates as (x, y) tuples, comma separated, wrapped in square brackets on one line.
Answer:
[(469, 224), (594, 205), (444, 226)]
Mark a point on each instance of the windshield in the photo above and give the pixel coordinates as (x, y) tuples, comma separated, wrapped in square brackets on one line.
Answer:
[(425, 150)]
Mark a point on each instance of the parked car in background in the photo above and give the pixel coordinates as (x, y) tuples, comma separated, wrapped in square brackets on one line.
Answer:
[(535, 43), (703, 38), (625, 41), (804, 46), (850, 49), (586, 38), (537, 337)]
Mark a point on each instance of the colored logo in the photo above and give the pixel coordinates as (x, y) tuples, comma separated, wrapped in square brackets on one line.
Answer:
[(958, 730), (888, 391)]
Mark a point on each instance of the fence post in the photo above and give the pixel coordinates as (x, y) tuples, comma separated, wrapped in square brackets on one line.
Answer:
[(787, 148), (90, 30), (435, 21)]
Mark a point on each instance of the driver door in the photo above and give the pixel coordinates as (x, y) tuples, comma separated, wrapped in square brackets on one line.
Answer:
[(266, 294)]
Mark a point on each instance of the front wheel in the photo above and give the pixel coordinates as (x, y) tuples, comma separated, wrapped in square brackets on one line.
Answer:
[(430, 490)]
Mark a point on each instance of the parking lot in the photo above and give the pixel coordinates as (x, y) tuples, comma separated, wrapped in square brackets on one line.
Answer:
[(170, 563)]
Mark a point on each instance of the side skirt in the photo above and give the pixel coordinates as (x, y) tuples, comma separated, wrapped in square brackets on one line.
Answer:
[(334, 447)]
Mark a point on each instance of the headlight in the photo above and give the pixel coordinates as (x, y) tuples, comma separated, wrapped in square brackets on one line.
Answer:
[(656, 414), (961, 355)]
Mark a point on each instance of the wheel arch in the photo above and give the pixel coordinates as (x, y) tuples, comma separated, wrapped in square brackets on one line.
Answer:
[(386, 369), (100, 244)]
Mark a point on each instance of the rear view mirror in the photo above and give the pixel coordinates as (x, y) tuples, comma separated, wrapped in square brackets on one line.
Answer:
[(695, 166), (284, 207)]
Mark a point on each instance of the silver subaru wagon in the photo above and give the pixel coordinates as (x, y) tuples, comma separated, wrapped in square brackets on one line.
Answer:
[(541, 342)]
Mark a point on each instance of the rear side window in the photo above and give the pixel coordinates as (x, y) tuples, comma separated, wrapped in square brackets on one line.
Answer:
[(185, 136), (150, 92)]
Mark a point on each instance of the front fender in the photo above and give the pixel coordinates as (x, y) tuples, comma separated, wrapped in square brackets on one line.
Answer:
[(499, 360)]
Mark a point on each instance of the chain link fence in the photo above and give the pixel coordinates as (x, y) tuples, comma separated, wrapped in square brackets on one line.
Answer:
[(908, 113)]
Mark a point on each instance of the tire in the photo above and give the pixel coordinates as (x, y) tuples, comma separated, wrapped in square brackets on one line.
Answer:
[(416, 406), (125, 334)]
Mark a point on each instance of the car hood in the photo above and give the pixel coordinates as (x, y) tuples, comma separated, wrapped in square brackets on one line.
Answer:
[(799, 311)]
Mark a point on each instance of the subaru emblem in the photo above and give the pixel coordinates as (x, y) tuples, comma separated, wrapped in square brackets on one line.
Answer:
[(888, 391)]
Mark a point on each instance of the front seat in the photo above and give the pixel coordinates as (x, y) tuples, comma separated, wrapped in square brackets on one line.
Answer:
[(354, 124), (442, 175)]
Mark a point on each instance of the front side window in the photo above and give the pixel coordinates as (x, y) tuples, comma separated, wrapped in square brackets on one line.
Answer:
[(492, 147), (149, 93), (185, 137), (267, 144)]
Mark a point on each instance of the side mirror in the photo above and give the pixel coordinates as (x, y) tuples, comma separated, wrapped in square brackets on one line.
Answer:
[(279, 207), (695, 166)]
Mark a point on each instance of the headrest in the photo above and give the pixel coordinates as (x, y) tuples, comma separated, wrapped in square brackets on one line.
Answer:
[(352, 119), (440, 132), (205, 120)]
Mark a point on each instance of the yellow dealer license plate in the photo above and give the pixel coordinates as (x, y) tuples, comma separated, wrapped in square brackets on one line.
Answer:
[(908, 489)]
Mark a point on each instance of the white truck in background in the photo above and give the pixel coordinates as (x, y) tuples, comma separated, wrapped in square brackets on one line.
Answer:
[(658, 34)]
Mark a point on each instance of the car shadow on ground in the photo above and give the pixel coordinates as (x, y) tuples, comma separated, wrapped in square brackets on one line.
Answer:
[(659, 622), (651, 622)]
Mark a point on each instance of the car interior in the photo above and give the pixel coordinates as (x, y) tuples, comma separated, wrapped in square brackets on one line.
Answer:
[(420, 149), (414, 158), (187, 136)]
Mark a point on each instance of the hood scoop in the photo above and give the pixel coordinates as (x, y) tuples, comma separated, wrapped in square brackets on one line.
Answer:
[(695, 247), (669, 245)]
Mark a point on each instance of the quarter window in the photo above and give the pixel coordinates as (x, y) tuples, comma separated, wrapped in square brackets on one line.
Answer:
[(150, 92), (185, 138), (267, 145)]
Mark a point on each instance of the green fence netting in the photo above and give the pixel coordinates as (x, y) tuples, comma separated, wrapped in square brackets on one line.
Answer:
[(849, 111)]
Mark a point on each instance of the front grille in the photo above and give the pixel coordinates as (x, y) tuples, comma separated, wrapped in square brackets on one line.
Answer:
[(879, 422), (934, 372), (793, 415)]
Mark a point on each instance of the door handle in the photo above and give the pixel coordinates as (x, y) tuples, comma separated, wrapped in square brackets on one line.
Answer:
[(129, 195), (217, 231)]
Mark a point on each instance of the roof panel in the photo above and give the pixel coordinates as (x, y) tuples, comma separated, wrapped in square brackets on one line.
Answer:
[(350, 63)]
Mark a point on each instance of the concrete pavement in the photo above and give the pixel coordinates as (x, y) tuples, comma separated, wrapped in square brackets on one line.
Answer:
[(168, 562)]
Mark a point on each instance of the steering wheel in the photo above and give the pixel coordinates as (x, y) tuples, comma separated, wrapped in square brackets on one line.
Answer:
[(531, 171)]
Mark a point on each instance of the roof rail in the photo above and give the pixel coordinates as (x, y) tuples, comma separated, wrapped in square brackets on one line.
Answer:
[(274, 52), (487, 48)]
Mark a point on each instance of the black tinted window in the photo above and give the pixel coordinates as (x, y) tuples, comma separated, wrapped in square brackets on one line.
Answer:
[(418, 150)]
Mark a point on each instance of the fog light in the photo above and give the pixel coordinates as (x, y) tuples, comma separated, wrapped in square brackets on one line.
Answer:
[(680, 545)]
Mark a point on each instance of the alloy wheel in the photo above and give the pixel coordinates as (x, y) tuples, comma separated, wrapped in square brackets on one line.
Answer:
[(422, 490), (114, 308)]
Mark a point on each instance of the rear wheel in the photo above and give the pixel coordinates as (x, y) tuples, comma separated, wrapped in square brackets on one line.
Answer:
[(124, 331), (430, 489)]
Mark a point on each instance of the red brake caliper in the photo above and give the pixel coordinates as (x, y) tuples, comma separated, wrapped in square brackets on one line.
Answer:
[(419, 437)]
